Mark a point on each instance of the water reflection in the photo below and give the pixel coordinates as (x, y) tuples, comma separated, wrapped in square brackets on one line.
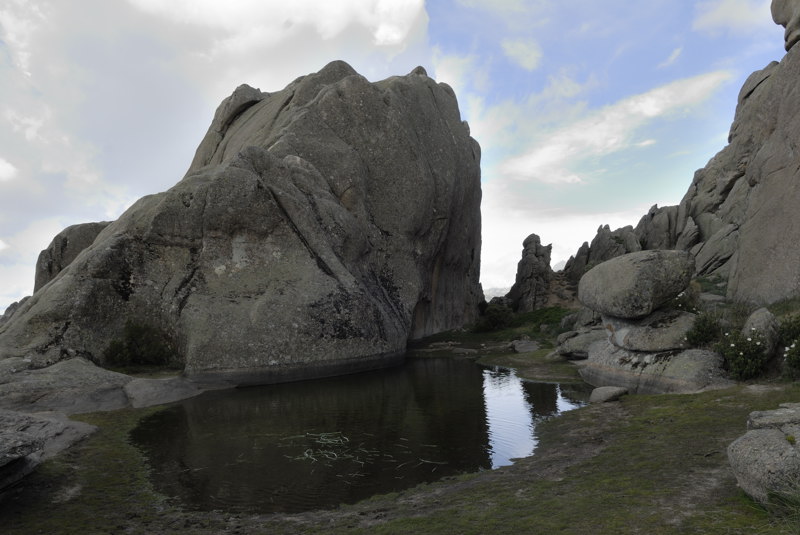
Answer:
[(301, 446)]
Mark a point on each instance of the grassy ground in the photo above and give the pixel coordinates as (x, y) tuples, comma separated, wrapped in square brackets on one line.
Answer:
[(646, 464)]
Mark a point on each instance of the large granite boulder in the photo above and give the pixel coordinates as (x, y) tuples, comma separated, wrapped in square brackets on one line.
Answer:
[(317, 230), (634, 285), (766, 460), (532, 286)]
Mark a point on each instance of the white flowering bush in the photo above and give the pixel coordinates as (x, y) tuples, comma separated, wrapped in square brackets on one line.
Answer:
[(744, 354), (790, 338)]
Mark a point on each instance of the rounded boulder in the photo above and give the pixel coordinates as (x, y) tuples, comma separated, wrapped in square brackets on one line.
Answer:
[(634, 285)]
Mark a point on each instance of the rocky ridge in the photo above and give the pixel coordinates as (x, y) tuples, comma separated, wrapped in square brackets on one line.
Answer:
[(641, 347), (728, 216)]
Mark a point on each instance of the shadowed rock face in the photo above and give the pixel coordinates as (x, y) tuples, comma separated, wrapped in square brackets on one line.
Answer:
[(533, 276), (317, 229)]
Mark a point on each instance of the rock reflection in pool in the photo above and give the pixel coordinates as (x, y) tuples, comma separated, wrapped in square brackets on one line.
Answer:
[(301, 446)]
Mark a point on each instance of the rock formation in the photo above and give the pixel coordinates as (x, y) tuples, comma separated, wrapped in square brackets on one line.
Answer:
[(606, 244), (532, 286), (26, 440), (766, 459), (317, 229), (634, 285), (644, 348), (728, 219), (64, 248)]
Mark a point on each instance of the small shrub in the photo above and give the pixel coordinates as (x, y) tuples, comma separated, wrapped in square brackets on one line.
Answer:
[(687, 300), (705, 331), (744, 355), (494, 318), (141, 345), (791, 439), (789, 333)]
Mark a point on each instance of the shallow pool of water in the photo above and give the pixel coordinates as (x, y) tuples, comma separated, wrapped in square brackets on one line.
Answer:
[(315, 444)]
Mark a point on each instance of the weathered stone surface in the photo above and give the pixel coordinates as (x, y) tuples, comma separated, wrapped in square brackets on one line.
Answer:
[(576, 347), (766, 460), (13, 307), (787, 414), (524, 346), (653, 373), (69, 386), (317, 230), (634, 285), (715, 252), (605, 394), (787, 14), (606, 244), (26, 440), (657, 229), (763, 322), (530, 291), (663, 330), (64, 248), (149, 392)]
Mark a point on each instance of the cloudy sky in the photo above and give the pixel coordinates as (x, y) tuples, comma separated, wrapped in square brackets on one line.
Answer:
[(587, 112)]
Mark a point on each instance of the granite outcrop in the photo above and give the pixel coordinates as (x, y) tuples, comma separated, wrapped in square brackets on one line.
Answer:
[(738, 217), (317, 230)]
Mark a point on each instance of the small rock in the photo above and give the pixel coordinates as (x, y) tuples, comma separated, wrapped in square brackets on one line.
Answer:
[(763, 322), (524, 346), (605, 394), (577, 347)]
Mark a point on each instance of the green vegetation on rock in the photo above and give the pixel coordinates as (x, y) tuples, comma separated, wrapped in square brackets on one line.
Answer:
[(141, 345)]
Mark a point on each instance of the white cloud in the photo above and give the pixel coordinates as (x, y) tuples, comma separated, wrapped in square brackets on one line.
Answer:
[(503, 6), (19, 19), (525, 53), (454, 70), (553, 158), (7, 170), (268, 22), (739, 16), (673, 57), (3, 245)]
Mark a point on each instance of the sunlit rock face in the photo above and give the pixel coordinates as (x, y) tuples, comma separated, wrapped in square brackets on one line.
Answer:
[(787, 14), (317, 230)]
